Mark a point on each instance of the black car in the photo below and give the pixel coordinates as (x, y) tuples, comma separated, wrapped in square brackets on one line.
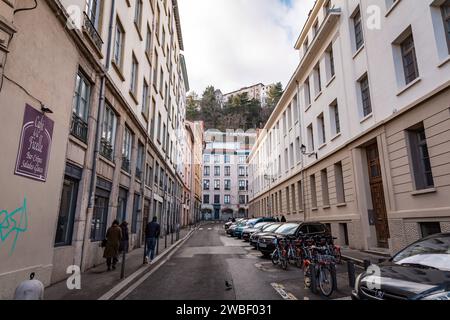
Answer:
[(268, 229), (266, 243), (419, 272)]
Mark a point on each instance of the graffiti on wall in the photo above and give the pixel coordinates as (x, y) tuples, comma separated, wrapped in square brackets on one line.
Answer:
[(13, 224)]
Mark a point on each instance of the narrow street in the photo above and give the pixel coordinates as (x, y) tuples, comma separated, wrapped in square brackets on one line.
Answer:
[(202, 266)]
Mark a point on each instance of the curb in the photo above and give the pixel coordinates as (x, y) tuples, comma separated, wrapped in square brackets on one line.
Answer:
[(127, 282)]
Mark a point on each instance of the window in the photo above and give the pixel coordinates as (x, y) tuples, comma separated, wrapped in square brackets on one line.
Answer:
[(206, 158), (298, 149), (295, 107), (420, 158), (148, 43), (241, 171), (325, 193), (445, 8), (100, 215), (206, 171), (242, 185), (205, 184), (242, 159), (157, 23), (300, 195), (358, 27), (149, 175), (155, 72), (162, 178), (80, 109), (242, 199), (126, 149), (312, 181), (339, 180), (321, 126), (307, 90), (217, 198), (158, 134), (145, 100), (66, 215), (365, 96), (206, 199), (317, 79), (138, 14), (119, 44), (334, 116), (330, 62), (216, 159), (164, 136), (157, 173), (227, 158), (289, 116), (140, 160), (227, 184), (409, 59), (161, 82), (227, 171), (216, 184), (429, 228), (294, 204), (288, 201), (310, 132), (136, 210), (93, 12), (216, 171), (134, 75), (108, 133), (291, 155), (315, 28), (227, 199)]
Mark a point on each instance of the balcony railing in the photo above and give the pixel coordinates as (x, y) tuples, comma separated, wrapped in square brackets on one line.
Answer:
[(79, 128), (138, 173), (90, 29), (106, 149)]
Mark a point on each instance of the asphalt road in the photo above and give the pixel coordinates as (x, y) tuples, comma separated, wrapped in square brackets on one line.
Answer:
[(201, 267)]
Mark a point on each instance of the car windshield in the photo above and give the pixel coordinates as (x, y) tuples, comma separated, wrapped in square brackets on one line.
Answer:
[(287, 229), (271, 227), (431, 253), (260, 225), (251, 223)]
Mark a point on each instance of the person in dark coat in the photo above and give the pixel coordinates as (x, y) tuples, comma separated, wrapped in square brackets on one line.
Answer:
[(152, 232), (113, 237), (283, 219), (125, 237), (278, 219)]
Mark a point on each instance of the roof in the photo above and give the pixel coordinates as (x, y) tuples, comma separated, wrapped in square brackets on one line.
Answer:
[(178, 24)]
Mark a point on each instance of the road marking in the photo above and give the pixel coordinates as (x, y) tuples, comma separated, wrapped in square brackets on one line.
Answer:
[(306, 298), (280, 289), (201, 229), (209, 228), (345, 298)]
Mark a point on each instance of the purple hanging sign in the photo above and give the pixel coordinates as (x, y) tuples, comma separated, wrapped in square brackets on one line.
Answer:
[(35, 144)]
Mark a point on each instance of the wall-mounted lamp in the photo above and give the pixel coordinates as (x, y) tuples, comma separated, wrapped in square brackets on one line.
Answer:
[(45, 110), (303, 149)]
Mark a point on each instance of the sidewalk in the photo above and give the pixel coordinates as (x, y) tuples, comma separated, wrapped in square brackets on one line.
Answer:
[(97, 281), (358, 256)]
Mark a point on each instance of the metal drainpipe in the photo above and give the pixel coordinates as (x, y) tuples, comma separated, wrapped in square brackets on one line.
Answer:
[(91, 200)]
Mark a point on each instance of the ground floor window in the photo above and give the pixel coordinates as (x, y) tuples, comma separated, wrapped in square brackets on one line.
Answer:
[(100, 215), (429, 228), (66, 215)]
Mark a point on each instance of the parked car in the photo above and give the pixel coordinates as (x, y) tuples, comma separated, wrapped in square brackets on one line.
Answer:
[(246, 234), (421, 271), (228, 224), (233, 227), (250, 224), (268, 229), (266, 243)]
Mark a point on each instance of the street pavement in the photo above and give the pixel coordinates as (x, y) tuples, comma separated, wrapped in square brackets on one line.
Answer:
[(209, 260)]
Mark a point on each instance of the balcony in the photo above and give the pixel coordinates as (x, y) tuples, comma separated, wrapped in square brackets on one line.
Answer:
[(79, 128), (106, 149), (92, 32), (126, 164)]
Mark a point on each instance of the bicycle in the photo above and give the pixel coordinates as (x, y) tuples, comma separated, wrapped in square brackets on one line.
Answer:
[(279, 255), (324, 272)]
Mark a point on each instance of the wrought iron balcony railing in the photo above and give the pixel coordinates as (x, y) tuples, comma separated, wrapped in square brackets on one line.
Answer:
[(79, 128), (91, 30), (126, 164), (106, 149)]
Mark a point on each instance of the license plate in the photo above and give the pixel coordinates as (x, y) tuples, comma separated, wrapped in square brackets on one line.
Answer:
[(263, 245)]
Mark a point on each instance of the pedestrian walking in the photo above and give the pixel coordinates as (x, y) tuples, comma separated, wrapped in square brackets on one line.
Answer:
[(124, 243), (283, 219), (278, 219), (152, 232), (112, 245)]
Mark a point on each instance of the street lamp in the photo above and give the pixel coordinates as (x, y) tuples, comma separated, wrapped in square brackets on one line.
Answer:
[(303, 149)]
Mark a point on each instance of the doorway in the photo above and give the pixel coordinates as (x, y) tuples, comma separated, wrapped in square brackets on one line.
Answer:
[(379, 217)]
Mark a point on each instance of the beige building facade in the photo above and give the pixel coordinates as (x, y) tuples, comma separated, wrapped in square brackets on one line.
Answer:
[(355, 145), (114, 77)]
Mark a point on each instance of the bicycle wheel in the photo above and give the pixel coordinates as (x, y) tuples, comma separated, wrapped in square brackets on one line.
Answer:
[(326, 282), (307, 277), (338, 256)]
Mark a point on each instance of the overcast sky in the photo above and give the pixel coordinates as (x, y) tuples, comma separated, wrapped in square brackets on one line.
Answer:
[(235, 43)]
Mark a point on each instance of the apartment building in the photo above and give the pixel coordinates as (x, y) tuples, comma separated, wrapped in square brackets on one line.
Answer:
[(258, 92), (225, 174), (105, 83), (360, 139)]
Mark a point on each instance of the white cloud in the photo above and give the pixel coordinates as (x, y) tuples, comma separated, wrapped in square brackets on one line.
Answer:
[(235, 43)]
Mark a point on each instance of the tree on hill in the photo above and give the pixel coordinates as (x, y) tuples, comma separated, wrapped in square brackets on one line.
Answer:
[(274, 95)]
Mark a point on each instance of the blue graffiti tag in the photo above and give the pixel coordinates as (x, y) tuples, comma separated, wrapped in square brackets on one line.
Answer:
[(13, 224)]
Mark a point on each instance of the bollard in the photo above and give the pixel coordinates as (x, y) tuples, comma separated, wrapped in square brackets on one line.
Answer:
[(313, 278), (351, 274), (367, 264), (334, 275)]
